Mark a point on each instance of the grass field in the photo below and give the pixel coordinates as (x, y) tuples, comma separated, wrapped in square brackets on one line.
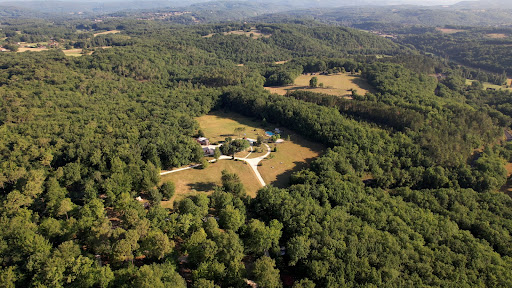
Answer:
[(193, 181), (489, 85), (219, 125), (449, 31), (291, 156), (107, 32), (68, 52), (256, 34), (337, 85), (496, 35)]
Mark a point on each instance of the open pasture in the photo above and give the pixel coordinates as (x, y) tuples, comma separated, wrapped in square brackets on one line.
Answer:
[(340, 85)]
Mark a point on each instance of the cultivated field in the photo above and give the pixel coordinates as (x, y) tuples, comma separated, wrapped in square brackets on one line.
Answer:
[(192, 181), (291, 156), (338, 85)]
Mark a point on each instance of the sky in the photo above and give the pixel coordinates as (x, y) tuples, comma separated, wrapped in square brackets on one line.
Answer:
[(417, 2)]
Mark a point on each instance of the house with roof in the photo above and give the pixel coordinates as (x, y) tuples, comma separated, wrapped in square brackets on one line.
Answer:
[(203, 141), (208, 151)]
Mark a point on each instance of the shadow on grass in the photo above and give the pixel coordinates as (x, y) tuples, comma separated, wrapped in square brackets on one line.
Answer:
[(202, 186), (283, 179), (361, 82)]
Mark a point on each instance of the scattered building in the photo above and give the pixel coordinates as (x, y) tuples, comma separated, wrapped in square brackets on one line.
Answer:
[(203, 141), (208, 151)]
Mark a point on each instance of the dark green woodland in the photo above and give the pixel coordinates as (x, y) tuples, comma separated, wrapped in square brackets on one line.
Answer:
[(407, 193)]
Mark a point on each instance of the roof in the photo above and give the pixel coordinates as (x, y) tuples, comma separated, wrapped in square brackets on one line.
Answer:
[(202, 139)]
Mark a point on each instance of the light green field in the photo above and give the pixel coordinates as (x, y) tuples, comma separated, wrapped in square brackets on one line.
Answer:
[(337, 84)]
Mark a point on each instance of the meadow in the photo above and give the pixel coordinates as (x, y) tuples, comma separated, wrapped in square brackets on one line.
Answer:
[(340, 85)]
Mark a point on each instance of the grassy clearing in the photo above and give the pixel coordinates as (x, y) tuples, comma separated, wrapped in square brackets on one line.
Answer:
[(219, 125), (291, 156), (107, 32), (254, 33), (67, 52), (449, 31), (496, 35), (193, 181), (23, 49), (338, 85), (73, 52), (490, 86)]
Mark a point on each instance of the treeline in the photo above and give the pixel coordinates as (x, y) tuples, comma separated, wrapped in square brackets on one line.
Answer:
[(473, 48)]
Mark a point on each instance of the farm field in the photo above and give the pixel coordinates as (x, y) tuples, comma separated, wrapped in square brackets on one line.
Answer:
[(338, 85), (192, 181), (291, 156)]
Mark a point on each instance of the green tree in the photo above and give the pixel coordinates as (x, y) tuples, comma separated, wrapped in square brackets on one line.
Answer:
[(231, 218), (313, 83), (167, 190), (304, 283), (216, 153), (260, 238), (266, 274)]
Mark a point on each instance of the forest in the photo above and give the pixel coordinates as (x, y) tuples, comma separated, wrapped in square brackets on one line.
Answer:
[(407, 193)]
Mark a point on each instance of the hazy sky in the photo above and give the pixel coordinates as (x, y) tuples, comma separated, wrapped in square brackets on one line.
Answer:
[(417, 2)]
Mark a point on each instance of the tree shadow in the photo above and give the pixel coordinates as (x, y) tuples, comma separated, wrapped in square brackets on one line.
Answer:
[(283, 179), (361, 82), (202, 186)]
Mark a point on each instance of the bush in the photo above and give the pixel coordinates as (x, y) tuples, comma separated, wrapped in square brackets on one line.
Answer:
[(167, 190)]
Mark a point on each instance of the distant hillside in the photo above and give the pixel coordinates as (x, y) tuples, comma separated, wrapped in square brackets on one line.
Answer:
[(367, 17)]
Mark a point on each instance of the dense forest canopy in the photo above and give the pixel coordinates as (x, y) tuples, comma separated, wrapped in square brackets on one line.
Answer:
[(406, 194)]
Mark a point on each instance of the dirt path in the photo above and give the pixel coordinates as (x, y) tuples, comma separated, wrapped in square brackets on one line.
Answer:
[(253, 162)]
